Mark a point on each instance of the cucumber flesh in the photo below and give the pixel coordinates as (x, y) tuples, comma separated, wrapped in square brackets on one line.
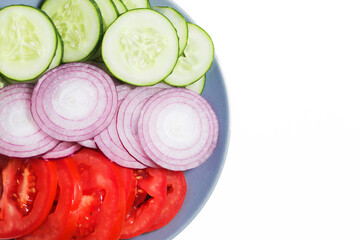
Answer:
[(27, 42), (196, 60), (133, 4), (58, 54), (179, 23), (120, 6), (198, 86), (141, 47), (79, 24)]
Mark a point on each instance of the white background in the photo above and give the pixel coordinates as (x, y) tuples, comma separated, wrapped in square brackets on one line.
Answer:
[(292, 70)]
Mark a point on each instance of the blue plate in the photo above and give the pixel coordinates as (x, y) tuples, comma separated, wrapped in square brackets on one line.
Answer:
[(201, 181)]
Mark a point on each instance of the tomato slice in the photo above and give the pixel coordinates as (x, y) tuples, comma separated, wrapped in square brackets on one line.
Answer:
[(176, 192), (148, 204), (127, 180), (27, 192), (60, 223), (102, 207)]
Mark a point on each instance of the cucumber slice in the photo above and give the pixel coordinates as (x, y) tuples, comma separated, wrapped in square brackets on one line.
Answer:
[(79, 24), (27, 42), (58, 54), (133, 4), (120, 6), (108, 12), (141, 47), (198, 86), (196, 60), (179, 23)]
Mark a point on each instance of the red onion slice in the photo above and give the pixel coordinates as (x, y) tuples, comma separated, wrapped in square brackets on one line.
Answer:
[(109, 142), (128, 117), (90, 143), (63, 149), (123, 90), (74, 102), (14, 88), (178, 129), (19, 134)]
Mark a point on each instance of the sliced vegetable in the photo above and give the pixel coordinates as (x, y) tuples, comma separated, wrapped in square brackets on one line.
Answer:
[(127, 180), (56, 61), (123, 90), (128, 117), (179, 23), (16, 88), (133, 4), (27, 42), (108, 12), (176, 193), (83, 102), (63, 149), (79, 24), (19, 135), (196, 60), (141, 47), (178, 129), (148, 203), (61, 221), (109, 141), (28, 190), (102, 207), (198, 86), (120, 6), (90, 143)]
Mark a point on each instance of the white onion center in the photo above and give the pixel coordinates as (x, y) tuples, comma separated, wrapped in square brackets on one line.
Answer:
[(75, 99), (17, 120), (178, 126)]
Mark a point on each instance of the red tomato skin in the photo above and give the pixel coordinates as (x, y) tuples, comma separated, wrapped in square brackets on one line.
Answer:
[(60, 224), (176, 194), (97, 172), (15, 225), (140, 219)]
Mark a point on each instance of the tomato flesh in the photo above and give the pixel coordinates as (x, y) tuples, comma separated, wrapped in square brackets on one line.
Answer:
[(28, 189), (24, 192), (148, 204), (127, 180), (102, 207), (60, 223), (89, 210), (176, 192)]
